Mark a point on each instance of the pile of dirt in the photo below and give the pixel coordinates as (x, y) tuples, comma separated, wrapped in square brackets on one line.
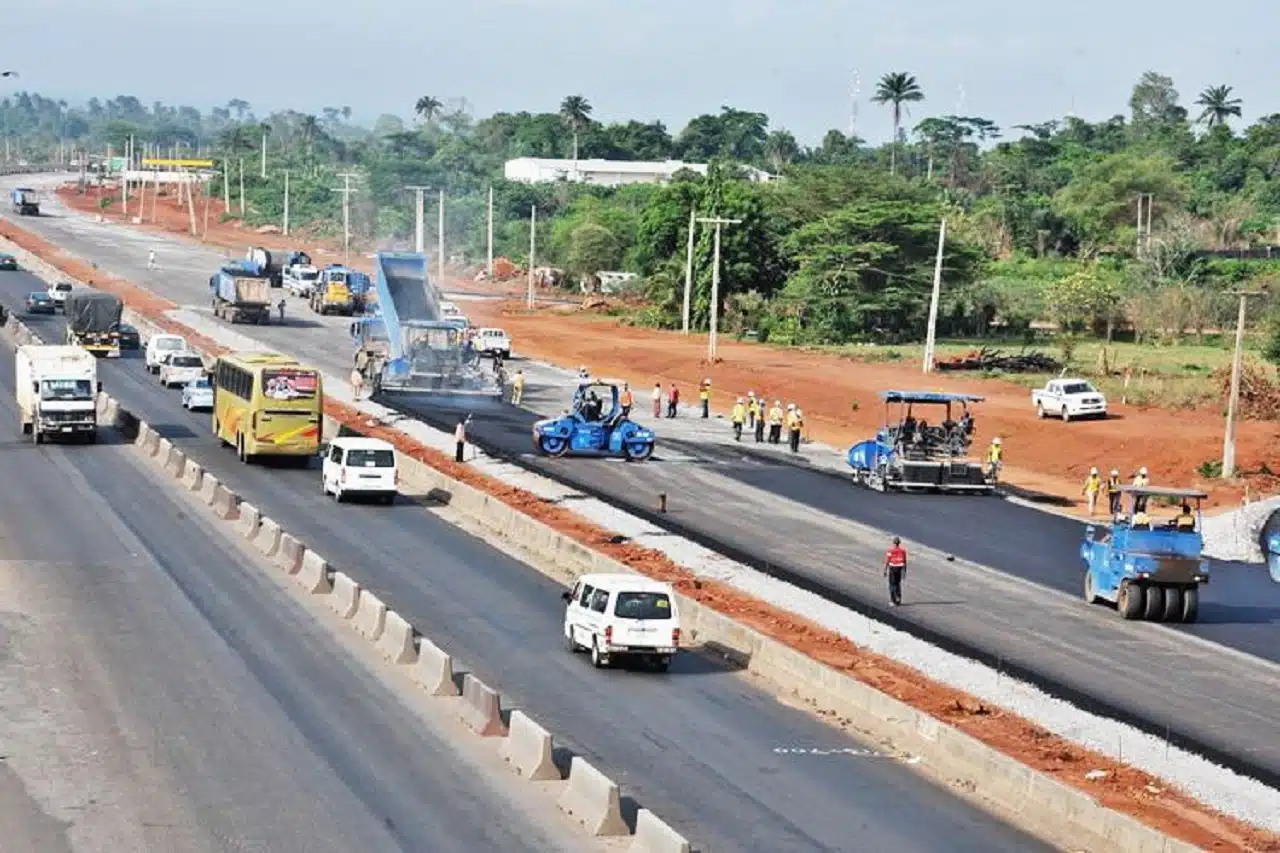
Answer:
[(1259, 392)]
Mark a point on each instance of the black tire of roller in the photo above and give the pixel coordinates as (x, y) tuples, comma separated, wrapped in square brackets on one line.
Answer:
[(1190, 604), (1172, 604), (1129, 601), (1153, 603)]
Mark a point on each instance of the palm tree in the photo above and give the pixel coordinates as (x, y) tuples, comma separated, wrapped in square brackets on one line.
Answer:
[(897, 88), (427, 107), (1218, 105), (576, 112)]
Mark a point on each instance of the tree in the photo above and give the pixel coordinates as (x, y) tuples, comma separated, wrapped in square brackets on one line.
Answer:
[(575, 110), (781, 149), (427, 108), (1084, 298), (897, 88), (1218, 105), (1154, 105), (593, 248)]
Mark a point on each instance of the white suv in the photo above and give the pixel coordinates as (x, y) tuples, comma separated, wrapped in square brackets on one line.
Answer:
[(622, 615), (355, 465), (160, 347), (58, 293)]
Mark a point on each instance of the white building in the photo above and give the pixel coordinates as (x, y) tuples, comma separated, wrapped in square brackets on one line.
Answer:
[(605, 173)]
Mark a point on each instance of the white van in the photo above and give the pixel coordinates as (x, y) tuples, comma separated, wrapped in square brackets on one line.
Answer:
[(622, 615), (161, 346), (355, 465)]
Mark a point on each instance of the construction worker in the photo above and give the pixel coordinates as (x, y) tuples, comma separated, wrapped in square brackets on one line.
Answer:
[(460, 438), (625, 400), (759, 425), (895, 569), (775, 422), (1140, 481), (1113, 492), (657, 399), (796, 426), (151, 259), (1141, 521), (738, 417), (995, 458), (753, 410), (704, 397), (517, 387), (1185, 520), (1092, 485), (673, 401), (280, 308), (357, 383)]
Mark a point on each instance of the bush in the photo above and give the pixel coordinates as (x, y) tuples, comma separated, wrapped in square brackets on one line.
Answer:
[(1210, 469), (1271, 348)]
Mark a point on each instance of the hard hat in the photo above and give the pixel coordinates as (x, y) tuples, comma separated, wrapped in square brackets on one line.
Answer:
[(790, 406), (707, 381), (995, 440), (1143, 470), (751, 393), (799, 411), (1093, 470), (739, 399), (1115, 473), (777, 402)]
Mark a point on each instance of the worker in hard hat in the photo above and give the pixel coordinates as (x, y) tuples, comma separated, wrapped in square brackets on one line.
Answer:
[(775, 422), (1140, 481), (1092, 485), (797, 429), (995, 458), (759, 422), (739, 417), (753, 410), (1113, 492), (1185, 520), (704, 397)]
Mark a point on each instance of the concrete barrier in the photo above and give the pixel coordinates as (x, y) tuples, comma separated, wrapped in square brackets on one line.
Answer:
[(163, 446), (434, 670), (209, 487), (226, 503), (174, 462), (150, 442), (110, 412), (289, 554), (247, 526), (654, 836), (397, 643), (481, 709), (371, 616), (267, 539), (345, 597), (145, 434), (592, 798), (192, 476), (527, 748), (313, 574)]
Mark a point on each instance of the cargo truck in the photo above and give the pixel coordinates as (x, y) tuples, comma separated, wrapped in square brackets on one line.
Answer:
[(25, 201), (57, 390), (93, 321), (266, 264), (241, 293)]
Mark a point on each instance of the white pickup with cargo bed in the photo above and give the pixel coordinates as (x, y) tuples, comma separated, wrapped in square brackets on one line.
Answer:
[(1069, 399)]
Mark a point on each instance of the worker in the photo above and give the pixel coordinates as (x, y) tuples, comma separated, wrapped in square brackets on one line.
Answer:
[(796, 426), (357, 383), (775, 422), (1140, 481), (704, 397), (1141, 521), (895, 569), (280, 308), (1092, 485), (460, 438), (657, 399), (1113, 492), (517, 387), (151, 259), (673, 401), (738, 417), (625, 400), (995, 458), (753, 410), (1185, 520), (759, 427)]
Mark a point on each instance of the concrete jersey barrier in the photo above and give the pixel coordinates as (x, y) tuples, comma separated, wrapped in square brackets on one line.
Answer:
[(226, 503), (371, 616), (267, 539), (528, 749), (481, 708), (313, 574), (175, 462), (434, 670), (208, 488), (654, 836), (593, 800), (345, 597), (247, 526), (289, 555), (192, 476), (397, 640)]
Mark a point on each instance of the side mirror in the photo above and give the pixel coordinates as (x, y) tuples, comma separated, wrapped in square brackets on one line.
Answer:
[(566, 596), (99, 386)]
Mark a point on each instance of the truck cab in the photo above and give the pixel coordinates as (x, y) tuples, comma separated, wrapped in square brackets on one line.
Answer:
[(332, 294), (56, 389)]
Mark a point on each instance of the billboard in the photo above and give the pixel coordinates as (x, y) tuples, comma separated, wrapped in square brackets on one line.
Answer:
[(177, 164)]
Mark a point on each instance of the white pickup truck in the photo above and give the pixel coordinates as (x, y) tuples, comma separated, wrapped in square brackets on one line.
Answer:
[(1069, 398)]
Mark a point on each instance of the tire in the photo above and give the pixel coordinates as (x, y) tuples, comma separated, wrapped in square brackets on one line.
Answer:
[(1090, 596), (240, 452), (635, 451), (1066, 416), (1129, 601), (569, 643), (661, 663), (1190, 604), (1172, 604), (551, 445), (389, 500), (1153, 603), (597, 660)]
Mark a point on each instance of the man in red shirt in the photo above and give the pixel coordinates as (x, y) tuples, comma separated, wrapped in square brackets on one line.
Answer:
[(895, 567)]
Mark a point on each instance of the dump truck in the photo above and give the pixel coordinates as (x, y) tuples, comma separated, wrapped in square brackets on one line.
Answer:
[(25, 201), (93, 321), (241, 294), (57, 390)]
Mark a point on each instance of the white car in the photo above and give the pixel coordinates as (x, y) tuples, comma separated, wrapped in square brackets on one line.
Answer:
[(179, 368), (160, 347), (1069, 398), (355, 465), (493, 342), (620, 615), (301, 279), (198, 394), (58, 293)]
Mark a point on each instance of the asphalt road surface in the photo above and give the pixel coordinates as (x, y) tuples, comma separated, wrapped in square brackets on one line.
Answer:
[(699, 746), (158, 692)]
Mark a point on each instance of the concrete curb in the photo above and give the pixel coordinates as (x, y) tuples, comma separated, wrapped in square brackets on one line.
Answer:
[(345, 597), (289, 555), (209, 488), (434, 670), (528, 749), (313, 574), (592, 799), (247, 524), (481, 708), (267, 539), (371, 616), (397, 640), (654, 836), (192, 476)]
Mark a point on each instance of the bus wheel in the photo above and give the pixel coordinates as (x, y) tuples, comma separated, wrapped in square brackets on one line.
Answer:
[(244, 457)]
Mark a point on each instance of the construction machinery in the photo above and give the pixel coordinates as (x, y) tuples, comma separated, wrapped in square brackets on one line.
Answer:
[(25, 201), (241, 293), (93, 321), (266, 264), (595, 426), (405, 345), (332, 291), (911, 454)]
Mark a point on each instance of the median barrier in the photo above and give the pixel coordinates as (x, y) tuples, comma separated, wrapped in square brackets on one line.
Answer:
[(175, 461), (527, 748), (267, 539), (371, 616), (226, 503), (434, 670), (480, 708), (654, 836), (247, 526), (192, 476), (163, 446), (592, 799), (289, 554), (209, 488), (396, 642), (99, 404), (313, 574), (110, 411), (345, 597), (150, 442)]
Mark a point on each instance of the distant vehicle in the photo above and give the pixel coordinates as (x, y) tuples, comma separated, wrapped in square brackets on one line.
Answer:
[(451, 313), (25, 201), (594, 427), (58, 292), (8, 262), (129, 337), (269, 267), (355, 465), (617, 615), (332, 293), (911, 454), (40, 302), (493, 342), (57, 389), (301, 279), (266, 404), (93, 321), (198, 394), (160, 347), (1069, 398), (1150, 570), (179, 368), (241, 293)]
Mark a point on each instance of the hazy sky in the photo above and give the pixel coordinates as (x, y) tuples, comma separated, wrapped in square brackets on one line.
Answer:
[(1017, 62)]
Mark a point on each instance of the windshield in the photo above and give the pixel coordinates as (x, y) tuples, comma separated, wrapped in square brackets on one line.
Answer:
[(186, 361), (62, 287), (309, 276), (642, 605), (39, 297), (201, 383), (66, 389), (371, 458), (1077, 388), (170, 343), (337, 278)]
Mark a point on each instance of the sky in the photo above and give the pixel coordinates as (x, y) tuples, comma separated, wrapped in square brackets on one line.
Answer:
[(795, 60)]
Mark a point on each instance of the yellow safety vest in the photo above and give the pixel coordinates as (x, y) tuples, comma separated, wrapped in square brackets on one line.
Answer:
[(754, 408), (739, 413), (994, 452), (775, 416), (705, 393), (1092, 484)]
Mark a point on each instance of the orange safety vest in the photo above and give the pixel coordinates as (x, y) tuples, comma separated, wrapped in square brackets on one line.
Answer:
[(625, 399)]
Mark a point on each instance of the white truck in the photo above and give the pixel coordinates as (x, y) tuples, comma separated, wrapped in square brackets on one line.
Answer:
[(1068, 399), (493, 342), (57, 389)]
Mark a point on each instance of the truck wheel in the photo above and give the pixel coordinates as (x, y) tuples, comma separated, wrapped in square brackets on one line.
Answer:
[(1190, 604), (1172, 604), (1129, 601), (1153, 603), (598, 660), (1090, 596), (1066, 416)]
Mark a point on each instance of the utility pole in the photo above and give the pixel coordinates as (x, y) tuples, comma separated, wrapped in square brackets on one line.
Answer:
[(489, 265), (346, 191), (688, 271), (264, 153), (226, 186), (285, 227), (241, 187), (207, 192), (191, 202), (715, 283), (931, 336), (419, 243), (533, 247), (440, 245), (1233, 402)]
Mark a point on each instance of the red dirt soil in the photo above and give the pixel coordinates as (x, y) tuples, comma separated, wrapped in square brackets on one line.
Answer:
[(1123, 789)]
